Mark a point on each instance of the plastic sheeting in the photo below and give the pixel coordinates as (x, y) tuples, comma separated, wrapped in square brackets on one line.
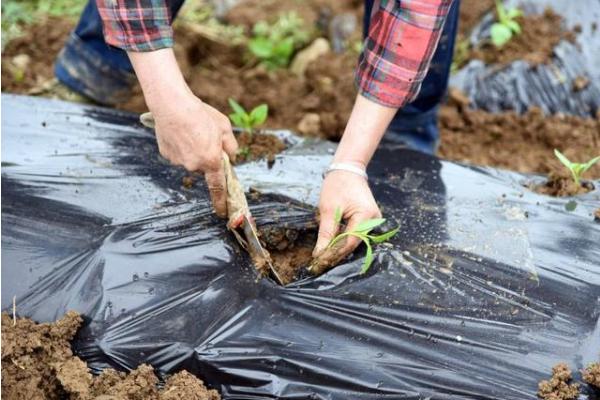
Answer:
[(518, 86), (485, 288)]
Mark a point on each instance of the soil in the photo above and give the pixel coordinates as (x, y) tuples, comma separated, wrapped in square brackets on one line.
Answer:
[(558, 386), (36, 51), (259, 146), (591, 374), (319, 103), (38, 363), (535, 44), (597, 215), (523, 143), (562, 185), (290, 249)]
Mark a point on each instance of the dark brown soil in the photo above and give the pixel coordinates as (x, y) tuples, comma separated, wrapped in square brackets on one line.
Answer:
[(471, 12), (597, 215), (258, 146), (591, 374), (37, 363), (290, 249), (558, 386), (535, 44), (523, 143)]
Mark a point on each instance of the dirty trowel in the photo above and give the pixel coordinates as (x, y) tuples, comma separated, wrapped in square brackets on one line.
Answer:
[(240, 220)]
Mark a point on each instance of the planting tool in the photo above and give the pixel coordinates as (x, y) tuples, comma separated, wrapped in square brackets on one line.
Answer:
[(239, 218)]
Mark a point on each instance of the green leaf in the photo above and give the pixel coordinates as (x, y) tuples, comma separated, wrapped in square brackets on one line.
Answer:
[(237, 120), (501, 34), (500, 10), (338, 215), (259, 115), (513, 26), (261, 47), (236, 107), (384, 236), (564, 160), (368, 258), (513, 13), (368, 225), (590, 164)]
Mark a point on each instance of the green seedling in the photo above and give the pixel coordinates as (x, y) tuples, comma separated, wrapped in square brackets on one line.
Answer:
[(577, 169), (362, 231), (274, 44), (248, 121), (503, 30)]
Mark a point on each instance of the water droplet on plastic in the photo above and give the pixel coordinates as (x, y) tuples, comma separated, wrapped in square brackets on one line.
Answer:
[(136, 277), (146, 274), (459, 338), (411, 332), (379, 355), (151, 290), (429, 336), (289, 344)]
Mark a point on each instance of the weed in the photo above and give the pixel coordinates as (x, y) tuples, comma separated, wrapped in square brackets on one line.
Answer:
[(274, 45), (503, 30), (244, 152), (362, 231), (577, 169), (248, 121)]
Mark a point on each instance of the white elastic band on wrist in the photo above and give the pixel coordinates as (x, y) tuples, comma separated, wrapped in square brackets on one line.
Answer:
[(348, 168)]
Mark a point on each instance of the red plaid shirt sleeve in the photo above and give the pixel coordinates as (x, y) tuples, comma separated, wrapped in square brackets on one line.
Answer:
[(136, 25), (398, 49)]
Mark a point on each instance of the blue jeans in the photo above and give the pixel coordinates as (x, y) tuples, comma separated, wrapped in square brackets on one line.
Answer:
[(416, 123), (90, 67), (103, 73)]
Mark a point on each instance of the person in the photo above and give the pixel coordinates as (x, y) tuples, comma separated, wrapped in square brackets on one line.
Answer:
[(401, 77)]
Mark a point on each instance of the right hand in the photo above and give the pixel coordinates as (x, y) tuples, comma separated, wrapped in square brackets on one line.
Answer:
[(194, 135)]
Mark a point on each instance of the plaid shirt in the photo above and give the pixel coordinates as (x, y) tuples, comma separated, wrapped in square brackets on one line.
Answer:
[(396, 56)]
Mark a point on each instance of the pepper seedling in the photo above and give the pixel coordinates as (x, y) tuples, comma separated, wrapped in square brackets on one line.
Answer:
[(362, 231), (577, 169), (248, 121), (503, 30)]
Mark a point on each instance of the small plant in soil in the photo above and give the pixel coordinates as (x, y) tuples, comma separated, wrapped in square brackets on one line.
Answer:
[(248, 121), (576, 169), (274, 44), (363, 232), (506, 26)]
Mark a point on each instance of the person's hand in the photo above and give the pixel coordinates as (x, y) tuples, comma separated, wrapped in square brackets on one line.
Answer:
[(189, 132), (194, 135), (350, 193)]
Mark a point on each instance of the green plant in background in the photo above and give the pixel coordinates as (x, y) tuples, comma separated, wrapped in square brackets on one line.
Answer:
[(576, 169), (274, 44), (503, 30), (362, 231), (19, 13), (248, 121)]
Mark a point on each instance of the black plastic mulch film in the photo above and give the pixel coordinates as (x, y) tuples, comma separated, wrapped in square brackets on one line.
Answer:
[(518, 85), (484, 289)]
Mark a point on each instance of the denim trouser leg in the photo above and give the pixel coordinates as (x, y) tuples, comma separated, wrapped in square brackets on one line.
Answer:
[(92, 68), (416, 123)]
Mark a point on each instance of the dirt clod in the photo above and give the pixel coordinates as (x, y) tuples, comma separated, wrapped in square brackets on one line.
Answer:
[(258, 145), (37, 363), (561, 185), (591, 374), (558, 386)]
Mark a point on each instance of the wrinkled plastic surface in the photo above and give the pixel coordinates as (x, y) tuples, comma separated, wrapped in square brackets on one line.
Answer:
[(485, 288), (519, 86)]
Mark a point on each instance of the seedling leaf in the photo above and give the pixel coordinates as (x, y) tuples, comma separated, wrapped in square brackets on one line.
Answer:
[(236, 107), (590, 164), (368, 225), (368, 258), (236, 119), (513, 26), (259, 115), (501, 34), (384, 236), (562, 158), (513, 13), (261, 47)]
